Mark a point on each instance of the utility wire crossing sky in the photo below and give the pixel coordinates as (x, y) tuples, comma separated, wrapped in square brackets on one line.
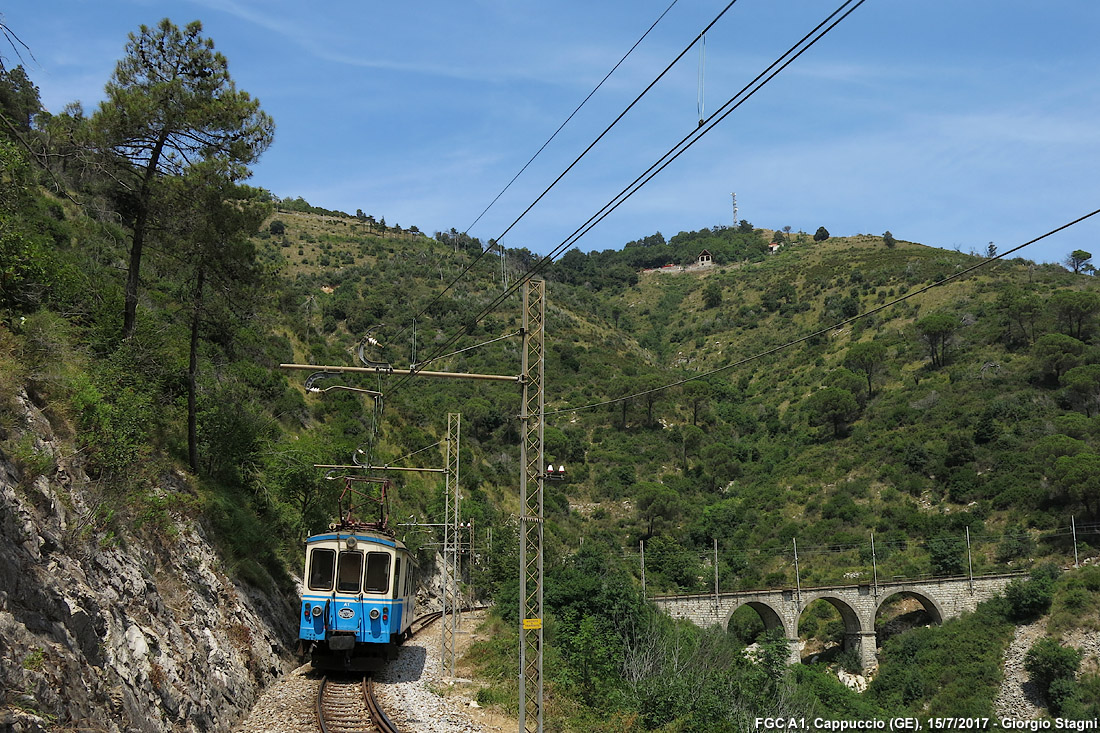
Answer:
[(950, 124)]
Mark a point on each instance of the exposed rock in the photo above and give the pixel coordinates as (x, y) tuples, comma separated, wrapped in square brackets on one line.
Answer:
[(142, 632), (856, 682), (1018, 697)]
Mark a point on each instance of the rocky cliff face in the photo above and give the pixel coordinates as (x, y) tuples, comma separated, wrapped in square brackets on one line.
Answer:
[(139, 631)]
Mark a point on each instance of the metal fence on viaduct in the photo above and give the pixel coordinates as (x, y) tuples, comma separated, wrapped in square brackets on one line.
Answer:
[(942, 598)]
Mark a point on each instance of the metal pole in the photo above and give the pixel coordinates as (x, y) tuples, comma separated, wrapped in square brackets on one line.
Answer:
[(361, 467), (641, 548), (969, 561), (874, 563), (454, 429), (716, 613), (533, 467), (446, 639), (797, 580), (400, 372), (450, 538), (1073, 525)]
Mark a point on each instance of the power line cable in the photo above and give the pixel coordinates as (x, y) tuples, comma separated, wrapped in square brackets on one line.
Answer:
[(840, 549), (695, 135), (579, 157), (419, 450), (622, 114), (678, 149), (570, 117), (417, 365)]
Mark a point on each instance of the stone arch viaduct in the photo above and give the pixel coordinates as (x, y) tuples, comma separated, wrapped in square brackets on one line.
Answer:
[(942, 598)]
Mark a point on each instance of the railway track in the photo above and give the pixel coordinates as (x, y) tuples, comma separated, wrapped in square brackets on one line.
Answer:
[(342, 707), (349, 706)]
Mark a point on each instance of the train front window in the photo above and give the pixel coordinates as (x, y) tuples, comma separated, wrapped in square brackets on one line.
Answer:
[(351, 572), (378, 572), (321, 564)]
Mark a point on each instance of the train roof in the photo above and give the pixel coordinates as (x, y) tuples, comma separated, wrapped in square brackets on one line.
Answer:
[(361, 535)]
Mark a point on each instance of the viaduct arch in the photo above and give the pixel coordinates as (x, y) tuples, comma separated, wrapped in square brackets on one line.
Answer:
[(942, 598)]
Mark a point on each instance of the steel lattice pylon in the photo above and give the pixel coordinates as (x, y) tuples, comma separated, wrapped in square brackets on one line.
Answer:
[(532, 464), (451, 497)]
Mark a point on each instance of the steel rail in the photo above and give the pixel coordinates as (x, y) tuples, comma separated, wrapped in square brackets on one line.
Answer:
[(379, 721), (378, 716), (344, 712)]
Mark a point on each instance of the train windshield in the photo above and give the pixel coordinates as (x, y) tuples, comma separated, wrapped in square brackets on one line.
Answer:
[(378, 572), (321, 566), (351, 572)]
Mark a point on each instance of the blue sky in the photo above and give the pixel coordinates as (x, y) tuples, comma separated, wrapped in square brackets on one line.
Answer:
[(948, 122)]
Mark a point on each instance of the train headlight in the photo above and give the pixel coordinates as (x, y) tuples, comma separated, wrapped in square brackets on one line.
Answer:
[(316, 610), (374, 614), (351, 543)]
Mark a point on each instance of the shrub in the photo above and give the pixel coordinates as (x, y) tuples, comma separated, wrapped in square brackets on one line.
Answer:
[(1016, 543), (1051, 666), (1075, 601), (952, 669), (1029, 599)]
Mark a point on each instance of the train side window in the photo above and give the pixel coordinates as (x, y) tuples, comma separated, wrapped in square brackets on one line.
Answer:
[(351, 571), (321, 564), (378, 572), (397, 576)]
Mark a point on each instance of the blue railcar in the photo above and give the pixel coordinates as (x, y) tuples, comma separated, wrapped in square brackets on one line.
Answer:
[(358, 592)]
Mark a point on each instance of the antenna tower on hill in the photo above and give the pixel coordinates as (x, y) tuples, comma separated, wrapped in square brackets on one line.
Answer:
[(734, 197)]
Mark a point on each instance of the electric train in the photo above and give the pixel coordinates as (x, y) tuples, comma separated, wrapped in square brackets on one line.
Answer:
[(358, 592)]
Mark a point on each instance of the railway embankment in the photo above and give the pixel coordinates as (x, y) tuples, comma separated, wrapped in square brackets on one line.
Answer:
[(121, 631)]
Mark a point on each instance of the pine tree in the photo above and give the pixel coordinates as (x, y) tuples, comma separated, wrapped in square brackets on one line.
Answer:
[(170, 104)]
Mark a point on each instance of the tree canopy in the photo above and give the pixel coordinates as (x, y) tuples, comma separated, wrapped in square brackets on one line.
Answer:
[(171, 104), (1079, 261), (937, 329)]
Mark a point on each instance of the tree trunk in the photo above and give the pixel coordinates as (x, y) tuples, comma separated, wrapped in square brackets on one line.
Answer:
[(129, 313)]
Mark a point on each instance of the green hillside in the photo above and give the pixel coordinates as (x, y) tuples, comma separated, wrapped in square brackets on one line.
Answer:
[(770, 399)]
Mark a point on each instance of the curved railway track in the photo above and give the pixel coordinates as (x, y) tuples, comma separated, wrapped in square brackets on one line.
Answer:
[(342, 707), (349, 706)]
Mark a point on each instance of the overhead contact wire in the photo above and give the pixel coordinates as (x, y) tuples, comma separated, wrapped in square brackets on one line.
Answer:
[(571, 115), (673, 153), (621, 115), (715, 118), (539, 151)]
